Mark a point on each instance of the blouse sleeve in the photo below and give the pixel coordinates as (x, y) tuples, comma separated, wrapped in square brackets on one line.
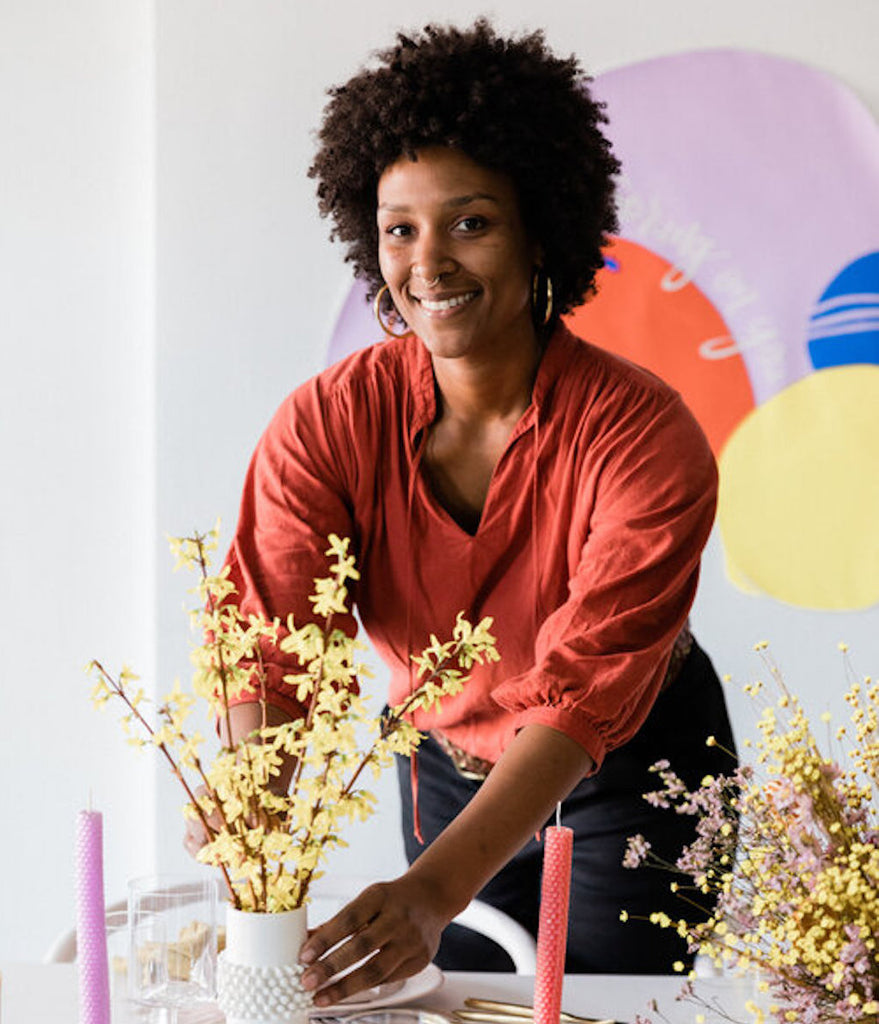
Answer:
[(294, 498), (645, 504)]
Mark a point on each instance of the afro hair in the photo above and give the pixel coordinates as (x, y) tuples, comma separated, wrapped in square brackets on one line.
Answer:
[(507, 103)]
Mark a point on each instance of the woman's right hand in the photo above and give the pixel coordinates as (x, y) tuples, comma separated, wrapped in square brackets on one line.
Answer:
[(243, 719), (195, 836)]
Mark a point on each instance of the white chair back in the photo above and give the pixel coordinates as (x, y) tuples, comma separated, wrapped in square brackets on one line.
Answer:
[(328, 898)]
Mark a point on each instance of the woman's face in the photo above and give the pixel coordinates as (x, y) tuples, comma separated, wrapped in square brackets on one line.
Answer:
[(455, 255)]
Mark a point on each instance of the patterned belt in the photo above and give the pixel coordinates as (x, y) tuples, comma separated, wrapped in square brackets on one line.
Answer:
[(469, 766)]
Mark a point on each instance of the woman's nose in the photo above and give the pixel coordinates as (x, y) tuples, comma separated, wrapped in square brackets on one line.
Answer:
[(431, 261)]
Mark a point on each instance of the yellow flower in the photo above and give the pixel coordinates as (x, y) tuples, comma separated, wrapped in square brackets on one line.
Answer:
[(269, 844)]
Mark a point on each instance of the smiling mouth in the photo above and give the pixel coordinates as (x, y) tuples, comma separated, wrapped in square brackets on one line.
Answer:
[(443, 305)]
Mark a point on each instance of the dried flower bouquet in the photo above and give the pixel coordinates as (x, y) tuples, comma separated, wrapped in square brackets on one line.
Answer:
[(789, 847)]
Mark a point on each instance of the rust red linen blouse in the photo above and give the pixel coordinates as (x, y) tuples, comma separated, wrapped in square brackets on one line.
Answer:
[(587, 552)]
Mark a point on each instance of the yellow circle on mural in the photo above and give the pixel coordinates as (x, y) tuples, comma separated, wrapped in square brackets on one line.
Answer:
[(799, 493)]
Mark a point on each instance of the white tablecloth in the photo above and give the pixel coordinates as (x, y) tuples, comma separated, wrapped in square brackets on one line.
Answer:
[(46, 994)]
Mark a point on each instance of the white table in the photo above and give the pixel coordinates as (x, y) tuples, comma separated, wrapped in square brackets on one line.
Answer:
[(46, 994)]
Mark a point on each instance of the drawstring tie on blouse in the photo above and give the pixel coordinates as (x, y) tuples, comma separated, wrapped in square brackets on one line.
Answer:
[(410, 594)]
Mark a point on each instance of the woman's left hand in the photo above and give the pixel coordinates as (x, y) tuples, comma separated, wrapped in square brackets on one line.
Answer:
[(396, 925)]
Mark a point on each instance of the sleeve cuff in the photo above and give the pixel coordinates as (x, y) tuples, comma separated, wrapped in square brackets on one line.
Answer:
[(570, 721)]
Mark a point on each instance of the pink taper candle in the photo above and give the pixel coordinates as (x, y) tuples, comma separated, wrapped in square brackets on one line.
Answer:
[(552, 932), (91, 931)]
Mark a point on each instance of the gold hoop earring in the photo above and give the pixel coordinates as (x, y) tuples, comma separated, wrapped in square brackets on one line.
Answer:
[(377, 312), (536, 303)]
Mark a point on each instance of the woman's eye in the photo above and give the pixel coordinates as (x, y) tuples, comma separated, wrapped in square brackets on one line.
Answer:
[(473, 223), (398, 230)]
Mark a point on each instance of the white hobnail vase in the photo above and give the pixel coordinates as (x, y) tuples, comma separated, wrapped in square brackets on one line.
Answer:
[(258, 974)]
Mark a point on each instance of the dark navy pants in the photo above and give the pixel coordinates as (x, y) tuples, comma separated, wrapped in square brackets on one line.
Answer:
[(603, 811)]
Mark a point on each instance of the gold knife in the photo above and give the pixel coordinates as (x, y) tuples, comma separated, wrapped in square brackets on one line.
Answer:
[(485, 1017), (492, 1009)]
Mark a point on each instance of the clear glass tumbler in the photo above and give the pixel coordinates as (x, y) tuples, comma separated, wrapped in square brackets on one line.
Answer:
[(172, 929)]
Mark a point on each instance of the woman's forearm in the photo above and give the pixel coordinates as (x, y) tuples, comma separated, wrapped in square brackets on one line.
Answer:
[(246, 719), (537, 770), (242, 720)]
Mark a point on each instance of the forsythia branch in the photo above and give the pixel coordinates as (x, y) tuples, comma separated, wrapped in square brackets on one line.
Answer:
[(269, 845)]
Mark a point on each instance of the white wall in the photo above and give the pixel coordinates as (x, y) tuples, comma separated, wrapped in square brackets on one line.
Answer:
[(176, 134), (77, 440)]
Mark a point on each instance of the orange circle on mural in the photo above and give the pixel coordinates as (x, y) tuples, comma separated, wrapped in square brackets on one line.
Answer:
[(644, 312)]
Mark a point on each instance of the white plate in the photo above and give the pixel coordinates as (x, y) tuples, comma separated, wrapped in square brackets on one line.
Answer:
[(416, 987)]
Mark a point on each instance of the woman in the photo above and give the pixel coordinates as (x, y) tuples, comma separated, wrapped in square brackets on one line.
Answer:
[(490, 462)]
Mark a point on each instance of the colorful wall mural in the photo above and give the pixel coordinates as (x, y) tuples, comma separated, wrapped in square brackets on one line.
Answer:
[(747, 275)]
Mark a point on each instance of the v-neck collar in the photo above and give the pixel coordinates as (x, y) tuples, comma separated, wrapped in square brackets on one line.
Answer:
[(423, 390)]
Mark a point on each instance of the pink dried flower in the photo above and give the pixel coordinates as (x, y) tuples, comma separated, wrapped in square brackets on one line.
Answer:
[(636, 851)]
